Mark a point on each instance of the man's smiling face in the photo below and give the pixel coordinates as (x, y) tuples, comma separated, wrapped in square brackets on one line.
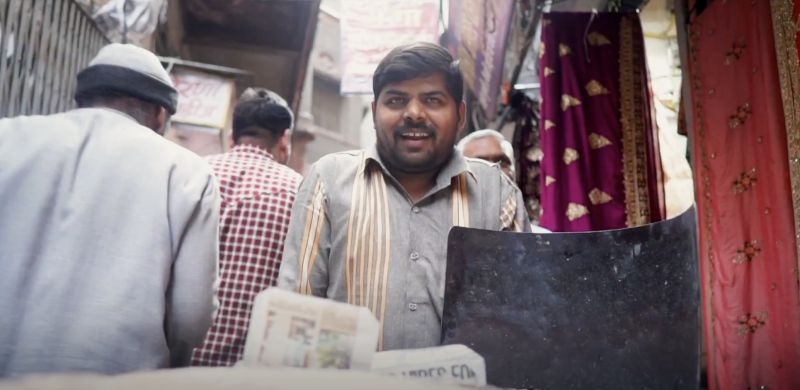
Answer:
[(417, 122)]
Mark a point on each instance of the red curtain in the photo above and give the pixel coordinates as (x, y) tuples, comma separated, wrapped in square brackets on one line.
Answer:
[(749, 267)]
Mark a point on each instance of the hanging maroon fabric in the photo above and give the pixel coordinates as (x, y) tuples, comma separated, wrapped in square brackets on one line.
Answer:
[(749, 268), (601, 167)]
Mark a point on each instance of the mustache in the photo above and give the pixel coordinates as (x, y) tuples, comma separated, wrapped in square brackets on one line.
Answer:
[(417, 127)]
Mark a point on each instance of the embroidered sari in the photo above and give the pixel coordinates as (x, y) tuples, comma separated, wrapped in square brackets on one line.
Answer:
[(746, 154), (601, 167)]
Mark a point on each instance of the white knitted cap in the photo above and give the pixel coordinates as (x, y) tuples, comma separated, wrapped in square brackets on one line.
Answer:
[(131, 70), (134, 58)]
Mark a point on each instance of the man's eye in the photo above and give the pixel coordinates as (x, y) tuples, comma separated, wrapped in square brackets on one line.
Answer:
[(434, 100), (395, 101)]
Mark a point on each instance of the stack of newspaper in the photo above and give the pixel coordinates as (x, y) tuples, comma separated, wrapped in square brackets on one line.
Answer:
[(289, 329), (456, 364)]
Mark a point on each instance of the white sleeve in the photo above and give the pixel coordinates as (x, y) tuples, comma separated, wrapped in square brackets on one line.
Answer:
[(191, 295)]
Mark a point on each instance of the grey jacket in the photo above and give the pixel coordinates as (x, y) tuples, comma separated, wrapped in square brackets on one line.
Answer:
[(108, 245)]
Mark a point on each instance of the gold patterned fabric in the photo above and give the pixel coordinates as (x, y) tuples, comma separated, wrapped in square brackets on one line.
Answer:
[(739, 117), (605, 153), (744, 126), (597, 141), (576, 211), (568, 101), (634, 141), (594, 88), (570, 156), (745, 181), (596, 39), (599, 197), (786, 22)]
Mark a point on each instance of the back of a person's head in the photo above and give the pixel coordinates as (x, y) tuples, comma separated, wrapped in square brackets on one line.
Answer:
[(125, 70), (418, 60), (263, 94), (261, 118), (129, 79)]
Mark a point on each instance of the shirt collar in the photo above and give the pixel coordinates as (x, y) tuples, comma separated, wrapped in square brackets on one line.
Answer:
[(247, 148), (115, 111), (454, 167)]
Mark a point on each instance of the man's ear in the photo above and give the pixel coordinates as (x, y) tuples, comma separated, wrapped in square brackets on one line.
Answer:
[(462, 118), (373, 112), (162, 120), (284, 147), (228, 135), (286, 139)]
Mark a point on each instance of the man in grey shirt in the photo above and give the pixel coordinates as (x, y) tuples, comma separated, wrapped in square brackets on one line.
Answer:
[(108, 232), (370, 227)]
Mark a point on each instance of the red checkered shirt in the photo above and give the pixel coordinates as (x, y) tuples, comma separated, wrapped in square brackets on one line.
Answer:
[(257, 197)]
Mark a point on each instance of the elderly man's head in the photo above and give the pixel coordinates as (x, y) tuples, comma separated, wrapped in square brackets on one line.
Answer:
[(491, 146), (131, 80)]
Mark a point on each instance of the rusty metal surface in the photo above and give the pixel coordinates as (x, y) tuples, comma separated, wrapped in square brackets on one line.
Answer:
[(43, 44), (616, 309)]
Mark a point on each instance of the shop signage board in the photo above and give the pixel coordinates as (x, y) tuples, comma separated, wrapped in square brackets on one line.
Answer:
[(205, 108), (371, 29), (203, 98)]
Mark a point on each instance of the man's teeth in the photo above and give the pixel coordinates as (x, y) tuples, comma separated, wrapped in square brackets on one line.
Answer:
[(415, 135)]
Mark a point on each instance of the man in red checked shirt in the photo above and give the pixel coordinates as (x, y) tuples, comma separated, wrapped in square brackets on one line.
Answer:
[(257, 195)]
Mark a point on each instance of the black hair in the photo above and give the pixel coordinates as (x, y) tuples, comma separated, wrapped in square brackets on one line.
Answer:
[(260, 118), (418, 60)]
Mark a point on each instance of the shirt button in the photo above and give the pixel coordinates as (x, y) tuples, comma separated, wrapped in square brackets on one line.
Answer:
[(414, 256), (412, 306), (415, 209)]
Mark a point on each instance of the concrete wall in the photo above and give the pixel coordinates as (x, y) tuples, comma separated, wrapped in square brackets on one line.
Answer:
[(337, 119)]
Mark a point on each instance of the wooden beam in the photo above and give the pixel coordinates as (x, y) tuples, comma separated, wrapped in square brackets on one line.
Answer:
[(305, 54)]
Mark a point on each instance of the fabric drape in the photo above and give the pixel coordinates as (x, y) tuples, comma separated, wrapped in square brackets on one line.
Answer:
[(744, 192), (601, 167), (528, 157)]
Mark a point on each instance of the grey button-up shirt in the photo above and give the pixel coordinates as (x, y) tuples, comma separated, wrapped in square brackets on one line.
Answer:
[(357, 237)]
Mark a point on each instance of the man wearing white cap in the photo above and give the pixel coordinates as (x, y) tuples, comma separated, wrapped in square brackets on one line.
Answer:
[(108, 232)]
